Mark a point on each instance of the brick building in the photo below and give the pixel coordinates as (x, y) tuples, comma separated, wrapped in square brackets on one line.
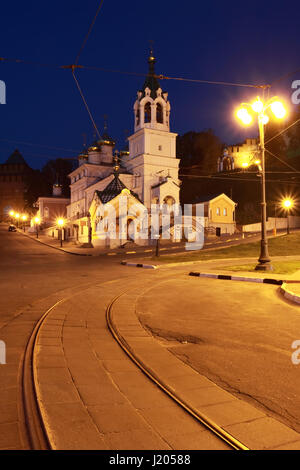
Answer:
[(13, 175)]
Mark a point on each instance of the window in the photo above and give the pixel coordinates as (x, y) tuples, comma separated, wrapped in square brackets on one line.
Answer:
[(225, 211), (218, 211), (46, 212), (138, 117), (147, 112), (159, 113), (160, 147)]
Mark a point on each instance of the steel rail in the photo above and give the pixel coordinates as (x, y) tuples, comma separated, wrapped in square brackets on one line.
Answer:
[(200, 417), (34, 423)]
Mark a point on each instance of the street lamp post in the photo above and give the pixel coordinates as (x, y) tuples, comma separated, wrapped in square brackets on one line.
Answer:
[(260, 108), (24, 218), (17, 216), (11, 213), (60, 224), (36, 222), (287, 205)]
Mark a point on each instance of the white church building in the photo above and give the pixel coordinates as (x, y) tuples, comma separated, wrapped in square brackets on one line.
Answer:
[(147, 174)]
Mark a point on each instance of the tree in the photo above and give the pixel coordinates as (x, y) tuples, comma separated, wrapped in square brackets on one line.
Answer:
[(58, 171), (199, 153)]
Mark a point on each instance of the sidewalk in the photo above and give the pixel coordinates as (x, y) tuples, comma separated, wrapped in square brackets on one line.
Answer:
[(88, 386)]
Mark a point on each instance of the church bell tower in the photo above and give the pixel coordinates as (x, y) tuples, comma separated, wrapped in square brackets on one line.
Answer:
[(152, 147)]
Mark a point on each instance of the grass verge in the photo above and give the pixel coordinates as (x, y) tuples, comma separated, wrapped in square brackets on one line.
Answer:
[(279, 267), (284, 245)]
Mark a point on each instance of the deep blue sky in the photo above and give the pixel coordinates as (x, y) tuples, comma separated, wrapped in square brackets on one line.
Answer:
[(247, 42)]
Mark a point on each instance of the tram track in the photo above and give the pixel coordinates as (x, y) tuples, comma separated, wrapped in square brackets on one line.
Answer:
[(39, 436), (217, 430)]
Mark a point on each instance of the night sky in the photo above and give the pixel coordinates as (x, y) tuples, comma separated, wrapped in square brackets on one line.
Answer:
[(245, 42)]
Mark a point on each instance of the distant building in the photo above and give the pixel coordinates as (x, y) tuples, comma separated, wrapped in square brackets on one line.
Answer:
[(238, 156), (219, 213), (13, 175), (52, 208)]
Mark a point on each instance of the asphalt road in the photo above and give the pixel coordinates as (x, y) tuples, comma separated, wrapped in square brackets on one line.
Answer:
[(30, 271), (238, 334)]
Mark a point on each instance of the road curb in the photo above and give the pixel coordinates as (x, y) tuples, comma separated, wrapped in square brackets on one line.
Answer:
[(139, 265), (289, 295), (54, 247), (226, 277)]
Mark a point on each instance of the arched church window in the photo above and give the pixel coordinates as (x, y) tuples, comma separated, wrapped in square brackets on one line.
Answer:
[(147, 112), (138, 116), (227, 165), (169, 200), (159, 113)]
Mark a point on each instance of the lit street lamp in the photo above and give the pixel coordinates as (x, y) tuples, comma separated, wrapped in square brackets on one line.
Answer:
[(37, 221), (60, 224), (11, 213), (17, 216), (287, 204), (260, 107)]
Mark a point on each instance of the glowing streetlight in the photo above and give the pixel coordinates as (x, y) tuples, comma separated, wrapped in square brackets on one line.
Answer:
[(287, 204), (60, 223), (260, 107)]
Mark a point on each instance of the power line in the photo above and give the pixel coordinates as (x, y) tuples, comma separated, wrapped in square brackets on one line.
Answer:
[(37, 145), (238, 179), (281, 132), (123, 72), (282, 161), (86, 105), (89, 32)]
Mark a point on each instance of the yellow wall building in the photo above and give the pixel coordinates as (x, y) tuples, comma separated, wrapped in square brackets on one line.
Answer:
[(219, 213)]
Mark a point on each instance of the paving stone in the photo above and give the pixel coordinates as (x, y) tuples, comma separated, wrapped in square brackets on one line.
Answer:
[(136, 440), (263, 433), (290, 446), (9, 436), (8, 412), (190, 381), (100, 394), (146, 397), (53, 374), (171, 420), (72, 428), (116, 418), (236, 411), (88, 375), (116, 365), (204, 440), (58, 392), (207, 396), (45, 361), (49, 341), (8, 395)]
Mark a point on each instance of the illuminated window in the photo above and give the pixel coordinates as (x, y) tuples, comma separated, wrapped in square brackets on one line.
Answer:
[(224, 211), (218, 211)]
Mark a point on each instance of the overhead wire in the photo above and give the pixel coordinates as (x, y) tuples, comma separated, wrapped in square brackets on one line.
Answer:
[(86, 105), (89, 32)]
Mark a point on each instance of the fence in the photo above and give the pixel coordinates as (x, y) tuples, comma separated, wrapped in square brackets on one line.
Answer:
[(272, 222)]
